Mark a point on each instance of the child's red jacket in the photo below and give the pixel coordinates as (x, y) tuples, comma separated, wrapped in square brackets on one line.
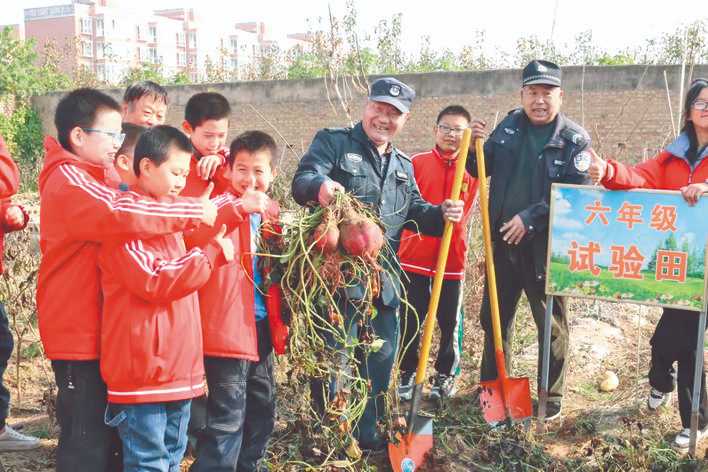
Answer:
[(151, 343), (77, 213), (9, 183)]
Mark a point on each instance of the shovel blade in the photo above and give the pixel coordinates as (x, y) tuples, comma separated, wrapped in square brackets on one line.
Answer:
[(409, 452), (502, 398)]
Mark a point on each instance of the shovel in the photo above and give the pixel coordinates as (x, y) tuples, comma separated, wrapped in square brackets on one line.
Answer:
[(503, 398), (408, 452)]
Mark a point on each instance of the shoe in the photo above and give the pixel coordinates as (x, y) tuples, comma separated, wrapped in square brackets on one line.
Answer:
[(684, 437), (11, 440), (657, 399), (443, 387), (553, 411), (373, 445), (405, 388)]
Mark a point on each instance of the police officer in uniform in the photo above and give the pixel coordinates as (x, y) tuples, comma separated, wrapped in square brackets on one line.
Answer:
[(362, 161), (533, 147)]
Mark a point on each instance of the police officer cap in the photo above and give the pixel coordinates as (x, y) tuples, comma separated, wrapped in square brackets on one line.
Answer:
[(542, 73), (394, 92)]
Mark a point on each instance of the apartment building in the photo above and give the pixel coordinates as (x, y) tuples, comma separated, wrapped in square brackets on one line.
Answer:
[(107, 38)]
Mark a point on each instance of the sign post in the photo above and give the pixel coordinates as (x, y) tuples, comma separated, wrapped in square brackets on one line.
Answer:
[(640, 246)]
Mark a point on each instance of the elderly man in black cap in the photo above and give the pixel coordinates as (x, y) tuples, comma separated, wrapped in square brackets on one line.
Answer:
[(361, 160), (533, 147)]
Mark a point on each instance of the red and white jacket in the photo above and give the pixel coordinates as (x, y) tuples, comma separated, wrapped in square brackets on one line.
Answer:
[(151, 344), (9, 183), (77, 213), (668, 170), (195, 185), (227, 300), (434, 173)]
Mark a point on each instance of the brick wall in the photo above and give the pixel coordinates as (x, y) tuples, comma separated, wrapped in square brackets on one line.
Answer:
[(624, 108)]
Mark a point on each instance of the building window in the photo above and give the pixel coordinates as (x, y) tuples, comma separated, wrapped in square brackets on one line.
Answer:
[(101, 72), (152, 55), (86, 25), (192, 59), (180, 38), (192, 39), (99, 27), (234, 63), (86, 49), (153, 34), (99, 50), (234, 45), (181, 59)]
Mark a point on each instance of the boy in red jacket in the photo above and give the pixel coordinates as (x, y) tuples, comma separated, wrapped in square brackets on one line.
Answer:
[(206, 122), (12, 218), (238, 355), (151, 345), (78, 212), (434, 172)]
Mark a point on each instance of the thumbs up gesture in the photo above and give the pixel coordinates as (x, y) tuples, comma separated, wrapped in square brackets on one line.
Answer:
[(598, 167), (227, 247), (210, 210)]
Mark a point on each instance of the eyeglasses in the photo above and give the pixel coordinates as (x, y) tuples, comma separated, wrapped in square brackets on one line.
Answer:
[(444, 129), (700, 105), (117, 137)]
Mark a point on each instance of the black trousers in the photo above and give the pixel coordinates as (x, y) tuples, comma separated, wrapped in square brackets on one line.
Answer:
[(515, 273), (6, 345), (86, 444), (240, 411), (674, 340), (449, 317)]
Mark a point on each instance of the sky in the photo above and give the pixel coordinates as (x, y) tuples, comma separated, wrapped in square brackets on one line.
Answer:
[(616, 24)]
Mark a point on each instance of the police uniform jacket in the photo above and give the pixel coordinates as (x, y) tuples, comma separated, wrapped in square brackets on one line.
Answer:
[(559, 162), (347, 156)]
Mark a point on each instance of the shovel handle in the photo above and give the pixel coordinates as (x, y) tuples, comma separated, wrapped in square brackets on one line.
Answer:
[(489, 256), (442, 260)]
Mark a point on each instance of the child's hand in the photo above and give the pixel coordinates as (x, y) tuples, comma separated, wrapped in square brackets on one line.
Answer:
[(691, 193), (254, 201), (210, 209), (14, 216), (226, 245), (207, 165)]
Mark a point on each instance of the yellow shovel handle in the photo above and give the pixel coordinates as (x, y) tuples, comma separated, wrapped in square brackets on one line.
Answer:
[(488, 254), (442, 260)]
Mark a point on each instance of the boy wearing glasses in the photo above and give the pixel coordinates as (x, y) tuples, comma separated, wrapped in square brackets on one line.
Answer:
[(434, 172), (79, 212)]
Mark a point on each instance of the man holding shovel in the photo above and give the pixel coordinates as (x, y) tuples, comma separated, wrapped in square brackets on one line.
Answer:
[(532, 148), (361, 160)]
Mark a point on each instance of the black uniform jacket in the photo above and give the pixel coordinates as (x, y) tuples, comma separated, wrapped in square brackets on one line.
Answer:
[(559, 162), (347, 156)]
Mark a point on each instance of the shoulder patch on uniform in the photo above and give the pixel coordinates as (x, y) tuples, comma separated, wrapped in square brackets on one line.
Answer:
[(400, 175), (582, 161)]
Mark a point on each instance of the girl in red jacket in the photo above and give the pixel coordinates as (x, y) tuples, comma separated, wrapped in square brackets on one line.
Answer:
[(683, 166), (151, 345)]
